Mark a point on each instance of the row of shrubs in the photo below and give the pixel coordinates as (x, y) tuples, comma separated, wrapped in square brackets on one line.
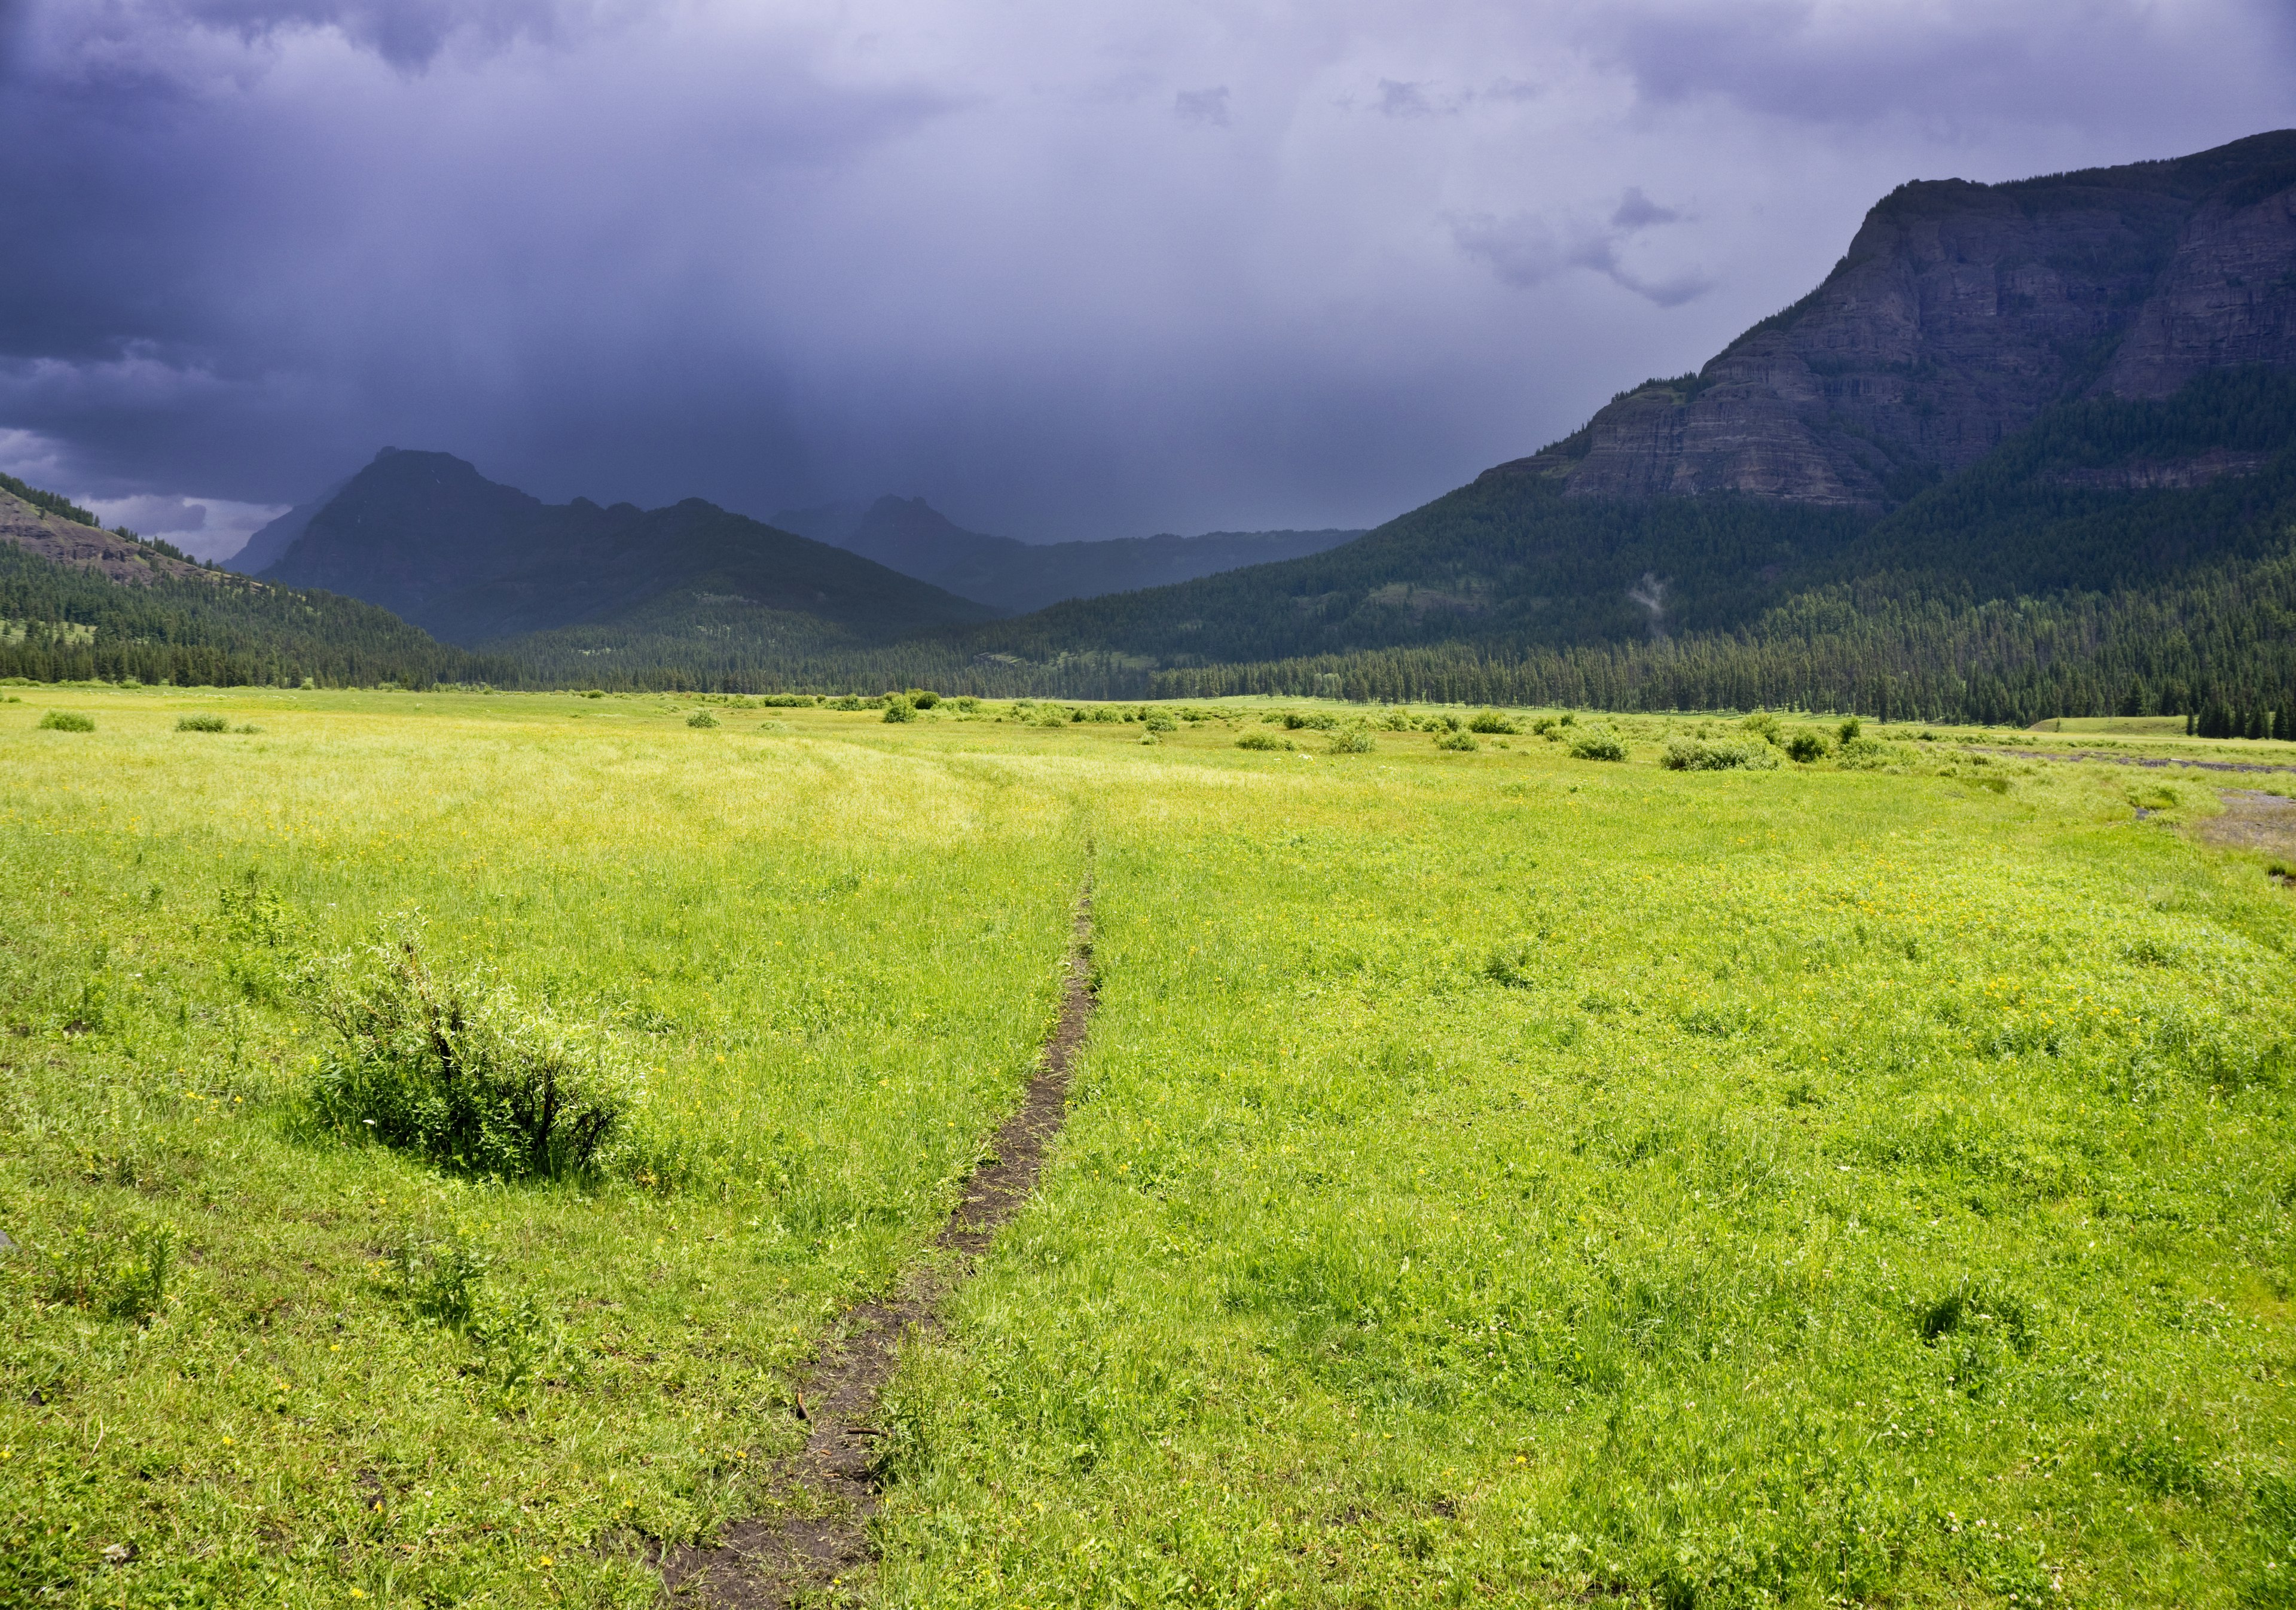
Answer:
[(72, 720)]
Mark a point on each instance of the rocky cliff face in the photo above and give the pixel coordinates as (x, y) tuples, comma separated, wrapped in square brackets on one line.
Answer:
[(1959, 313), (53, 538)]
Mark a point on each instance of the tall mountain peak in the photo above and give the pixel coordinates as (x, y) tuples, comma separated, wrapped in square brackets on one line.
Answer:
[(1960, 312)]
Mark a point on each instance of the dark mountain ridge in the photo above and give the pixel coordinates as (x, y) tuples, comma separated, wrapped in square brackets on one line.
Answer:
[(1958, 314), (427, 536), (910, 536)]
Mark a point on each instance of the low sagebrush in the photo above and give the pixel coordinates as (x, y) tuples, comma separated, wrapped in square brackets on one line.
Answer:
[(463, 1071), (201, 724), (1717, 754), (67, 721)]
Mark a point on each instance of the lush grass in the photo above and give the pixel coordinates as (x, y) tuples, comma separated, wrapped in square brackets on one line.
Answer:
[(1493, 1176), (1521, 1180), (833, 960)]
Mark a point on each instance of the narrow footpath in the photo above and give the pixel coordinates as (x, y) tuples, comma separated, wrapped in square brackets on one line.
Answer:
[(773, 1563)]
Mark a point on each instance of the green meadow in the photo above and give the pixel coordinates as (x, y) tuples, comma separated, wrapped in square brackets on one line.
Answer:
[(1495, 1173)]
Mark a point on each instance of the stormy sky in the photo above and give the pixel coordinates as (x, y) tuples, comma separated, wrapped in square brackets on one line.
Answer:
[(1067, 271)]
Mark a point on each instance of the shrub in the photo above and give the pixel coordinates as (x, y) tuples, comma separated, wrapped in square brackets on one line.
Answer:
[(900, 709), (1160, 722), (119, 1277), (1319, 720), (1851, 728), (1492, 720), (1806, 746), (1456, 739), (702, 718), (1863, 754), (1761, 725), (1598, 743), (201, 724), (67, 721), (462, 1072), (1704, 755), (247, 729), (1353, 740), (923, 698), (788, 701), (1264, 740)]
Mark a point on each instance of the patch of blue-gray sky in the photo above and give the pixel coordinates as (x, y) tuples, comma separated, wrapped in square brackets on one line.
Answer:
[(1065, 271)]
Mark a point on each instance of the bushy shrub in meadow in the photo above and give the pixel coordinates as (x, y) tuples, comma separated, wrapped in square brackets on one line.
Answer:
[(1493, 721), (1457, 738), (463, 1071), (702, 718), (1849, 729), (788, 701), (899, 711), (1806, 746), (1355, 739), (1863, 754), (923, 698), (1761, 725), (67, 721), (117, 1275), (1159, 722), (1264, 740), (1717, 754), (1598, 743), (201, 724)]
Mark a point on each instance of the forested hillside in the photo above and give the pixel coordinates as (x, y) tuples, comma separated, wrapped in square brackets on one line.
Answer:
[(62, 622)]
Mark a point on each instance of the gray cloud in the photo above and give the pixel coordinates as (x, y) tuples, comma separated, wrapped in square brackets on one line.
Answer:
[(1206, 106), (1526, 250), (778, 255)]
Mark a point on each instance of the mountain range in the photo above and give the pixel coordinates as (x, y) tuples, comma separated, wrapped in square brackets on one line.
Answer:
[(909, 535), (2028, 449)]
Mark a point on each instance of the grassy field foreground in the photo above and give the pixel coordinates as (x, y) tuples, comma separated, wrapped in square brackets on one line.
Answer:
[(1495, 1177)]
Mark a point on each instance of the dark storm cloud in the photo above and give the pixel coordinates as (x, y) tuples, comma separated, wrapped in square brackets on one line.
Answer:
[(1066, 272)]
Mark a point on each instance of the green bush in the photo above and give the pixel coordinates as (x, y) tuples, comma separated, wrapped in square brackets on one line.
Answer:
[(1761, 725), (1161, 723), (1492, 720), (1706, 754), (462, 1072), (67, 721), (122, 1276), (203, 724), (1264, 740), (788, 701), (923, 698), (1456, 738), (900, 709), (1849, 729), (1355, 739), (1598, 743), (1806, 746), (1863, 754), (1319, 720), (702, 718)]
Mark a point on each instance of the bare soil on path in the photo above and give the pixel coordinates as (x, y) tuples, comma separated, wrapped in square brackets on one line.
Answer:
[(773, 1563), (2252, 820)]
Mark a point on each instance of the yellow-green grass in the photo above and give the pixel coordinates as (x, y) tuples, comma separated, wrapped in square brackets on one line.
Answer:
[(1521, 1180), (835, 960), (1492, 1176), (2150, 727)]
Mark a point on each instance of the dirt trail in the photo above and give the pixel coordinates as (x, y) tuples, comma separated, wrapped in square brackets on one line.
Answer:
[(2148, 760), (770, 1564), (2252, 819)]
